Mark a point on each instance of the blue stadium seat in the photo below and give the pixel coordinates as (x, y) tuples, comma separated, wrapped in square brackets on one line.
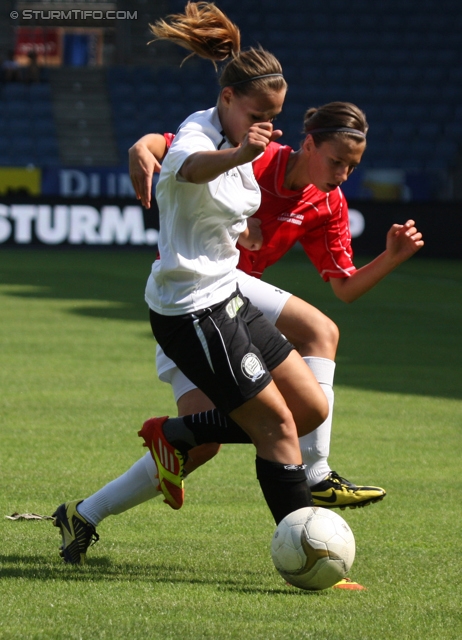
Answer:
[(19, 126), (385, 74), (14, 91), (44, 126), (122, 110), (142, 75), (21, 157), (361, 75), (148, 92), (446, 149), (150, 110), (42, 139), (172, 90), (455, 74), (430, 130), (121, 91), (417, 112), (435, 75), (21, 143), (403, 130), (17, 107), (40, 91), (127, 128), (119, 74), (453, 130), (423, 148), (49, 160), (41, 109)]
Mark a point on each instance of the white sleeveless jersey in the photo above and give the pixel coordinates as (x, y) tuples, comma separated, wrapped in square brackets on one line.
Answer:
[(199, 223)]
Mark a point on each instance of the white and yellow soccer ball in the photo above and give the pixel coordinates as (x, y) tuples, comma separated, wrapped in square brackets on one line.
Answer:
[(313, 548)]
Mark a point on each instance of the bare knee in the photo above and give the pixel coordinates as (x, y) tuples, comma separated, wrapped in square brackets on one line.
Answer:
[(269, 422), (310, 331), (312, 414), (321, 340), (331, 335), (277, 428)]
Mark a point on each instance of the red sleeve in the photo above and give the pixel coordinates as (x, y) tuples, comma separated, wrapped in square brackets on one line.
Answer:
[(329, 246), (169, 137)]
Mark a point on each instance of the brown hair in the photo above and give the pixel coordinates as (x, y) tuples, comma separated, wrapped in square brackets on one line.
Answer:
[(207, 32), (332, 116)]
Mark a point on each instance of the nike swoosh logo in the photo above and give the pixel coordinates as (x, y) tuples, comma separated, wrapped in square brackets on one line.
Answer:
[(331, 498)]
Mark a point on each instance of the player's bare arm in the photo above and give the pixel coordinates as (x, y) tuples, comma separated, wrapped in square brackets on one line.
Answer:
[(205, 166), (403, 241), (144, 159)]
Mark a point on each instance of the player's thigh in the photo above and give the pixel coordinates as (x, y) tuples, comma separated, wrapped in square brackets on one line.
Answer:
[(308, 329), (302, 393)]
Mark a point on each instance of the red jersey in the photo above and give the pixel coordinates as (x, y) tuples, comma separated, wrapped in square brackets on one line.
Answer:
[(318, 220)]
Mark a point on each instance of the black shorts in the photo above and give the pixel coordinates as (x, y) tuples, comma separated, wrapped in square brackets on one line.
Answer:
[(227, 350)]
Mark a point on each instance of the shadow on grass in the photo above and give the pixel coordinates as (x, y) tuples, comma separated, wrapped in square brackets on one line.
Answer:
[(402, 337), (114, 282), (40, 568)]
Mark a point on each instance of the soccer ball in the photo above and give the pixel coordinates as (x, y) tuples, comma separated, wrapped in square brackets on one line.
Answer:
[(313, 548)]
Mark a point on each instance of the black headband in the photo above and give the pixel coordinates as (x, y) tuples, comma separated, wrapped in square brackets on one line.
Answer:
[(265, 75), (356, 132)]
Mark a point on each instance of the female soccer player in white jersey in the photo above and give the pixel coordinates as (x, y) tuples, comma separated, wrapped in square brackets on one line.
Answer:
[(263, 391)]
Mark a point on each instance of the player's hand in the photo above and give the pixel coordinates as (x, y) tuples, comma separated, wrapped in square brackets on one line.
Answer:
[(403, 240), (256, 140), (252, 237), (142, 166)]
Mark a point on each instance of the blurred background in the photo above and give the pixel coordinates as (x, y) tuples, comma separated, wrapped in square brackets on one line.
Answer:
[(79, 84)]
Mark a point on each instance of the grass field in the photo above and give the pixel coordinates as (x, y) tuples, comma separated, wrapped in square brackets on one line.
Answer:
[(77, 381)]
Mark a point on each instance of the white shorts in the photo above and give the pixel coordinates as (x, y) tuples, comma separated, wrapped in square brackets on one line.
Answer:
[(268, 298)]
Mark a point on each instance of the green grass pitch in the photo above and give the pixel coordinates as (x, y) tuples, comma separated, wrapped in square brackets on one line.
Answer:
[(77, 381)]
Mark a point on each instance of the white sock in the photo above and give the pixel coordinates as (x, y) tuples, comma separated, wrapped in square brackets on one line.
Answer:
[(315, 446), (135, 486)]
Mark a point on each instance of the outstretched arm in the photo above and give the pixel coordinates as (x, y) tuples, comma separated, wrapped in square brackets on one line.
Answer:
[(403, 241), (144, 159), (205, 166)]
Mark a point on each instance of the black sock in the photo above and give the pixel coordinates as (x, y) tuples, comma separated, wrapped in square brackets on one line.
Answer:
[(284, 487), (190, 431)]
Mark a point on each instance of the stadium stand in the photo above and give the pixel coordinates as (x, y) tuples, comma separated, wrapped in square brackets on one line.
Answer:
[(401, 61), (27, 125)]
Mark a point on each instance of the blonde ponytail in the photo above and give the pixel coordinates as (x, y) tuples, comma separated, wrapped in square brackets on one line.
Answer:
[(206, 31)]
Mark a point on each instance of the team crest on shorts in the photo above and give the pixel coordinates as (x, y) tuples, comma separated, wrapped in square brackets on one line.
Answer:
[(252, 367)]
